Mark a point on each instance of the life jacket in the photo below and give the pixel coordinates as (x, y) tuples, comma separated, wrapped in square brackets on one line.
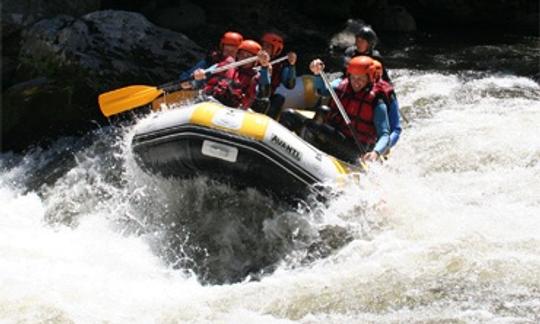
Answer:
[(247, 79), (234, 87), (360, 109), (386, 89)]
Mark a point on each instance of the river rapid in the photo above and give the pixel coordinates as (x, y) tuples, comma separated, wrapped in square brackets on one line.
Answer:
[(447, 230)]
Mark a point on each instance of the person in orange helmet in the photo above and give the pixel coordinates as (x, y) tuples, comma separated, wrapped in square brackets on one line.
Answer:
[(282, 73), (243, 86), (365, 106), (228, 46)]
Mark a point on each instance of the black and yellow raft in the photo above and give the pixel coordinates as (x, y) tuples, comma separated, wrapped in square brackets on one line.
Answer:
[(239, 147)]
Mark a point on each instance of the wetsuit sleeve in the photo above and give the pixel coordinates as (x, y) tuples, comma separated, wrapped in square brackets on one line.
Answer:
[(380, 119), (197, 84), (395, 123), (263, 85), (185, 75), (321, 87), (288, 76)]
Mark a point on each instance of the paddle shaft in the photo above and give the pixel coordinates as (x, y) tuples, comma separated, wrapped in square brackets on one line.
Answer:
[(276, 61), (341, 109), (175, 85)]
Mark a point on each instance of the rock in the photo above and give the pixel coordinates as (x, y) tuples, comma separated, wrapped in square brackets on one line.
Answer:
[(519, 15), (42, 109), (394, 19), (17, 14), (346, 38), (181, 18), (8, 70), (112, 47), (81, 58)]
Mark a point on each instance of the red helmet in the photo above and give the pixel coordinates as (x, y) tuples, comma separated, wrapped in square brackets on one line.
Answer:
[(231, 38), (275, 40), (250, 46), (378, 70), (361, 65)]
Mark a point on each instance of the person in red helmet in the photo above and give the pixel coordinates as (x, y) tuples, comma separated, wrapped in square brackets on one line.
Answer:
[(282, 73), (244, 86), (364, 104), (228, 46)]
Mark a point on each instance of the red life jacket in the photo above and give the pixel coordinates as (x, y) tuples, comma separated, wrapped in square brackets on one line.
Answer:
[(360, 109), (247, 79), (384, 88), (234, 87)]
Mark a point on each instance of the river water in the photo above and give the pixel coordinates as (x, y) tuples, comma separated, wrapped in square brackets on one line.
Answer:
[(448, 230)]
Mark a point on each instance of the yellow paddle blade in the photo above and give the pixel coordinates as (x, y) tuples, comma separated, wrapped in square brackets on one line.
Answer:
[(120, 100)]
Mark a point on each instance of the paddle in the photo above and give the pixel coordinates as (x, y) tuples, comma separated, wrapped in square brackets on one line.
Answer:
[(346, 118), (278, 60), (123, 99)]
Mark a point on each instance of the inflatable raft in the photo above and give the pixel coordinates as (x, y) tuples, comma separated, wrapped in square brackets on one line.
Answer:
[(242, 148)]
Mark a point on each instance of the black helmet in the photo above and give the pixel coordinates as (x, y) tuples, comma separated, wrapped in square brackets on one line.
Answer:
[(367, 33)]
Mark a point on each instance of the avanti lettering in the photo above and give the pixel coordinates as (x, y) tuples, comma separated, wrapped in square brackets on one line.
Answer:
[(285, 146)]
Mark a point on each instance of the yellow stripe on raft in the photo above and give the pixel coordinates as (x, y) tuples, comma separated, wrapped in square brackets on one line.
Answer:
[(340, 167), (203, 114), (253, 125)]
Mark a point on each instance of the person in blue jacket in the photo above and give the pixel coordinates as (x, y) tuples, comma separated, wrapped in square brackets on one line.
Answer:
[(392, 103), (365, 106), (283, 73)]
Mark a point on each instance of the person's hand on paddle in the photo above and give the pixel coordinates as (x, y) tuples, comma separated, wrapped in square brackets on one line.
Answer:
[(264, 58), (370, 156), (316, 66), (291, 57), (199, 75), (186, 85)]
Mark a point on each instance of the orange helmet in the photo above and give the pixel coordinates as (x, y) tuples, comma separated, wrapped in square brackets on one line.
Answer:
[(231, 38), (250, 46), (275, 40), (378, 71), (361, 65)]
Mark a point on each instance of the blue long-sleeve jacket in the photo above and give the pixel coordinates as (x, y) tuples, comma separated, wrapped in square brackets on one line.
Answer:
[(394, 120), (202, 64), (288, 76)]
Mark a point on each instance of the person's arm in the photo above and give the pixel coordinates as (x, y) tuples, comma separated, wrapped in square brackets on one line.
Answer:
[(288, 73), (394, 120), (380, 119), (288, 76), (185, 75), (263, 84)]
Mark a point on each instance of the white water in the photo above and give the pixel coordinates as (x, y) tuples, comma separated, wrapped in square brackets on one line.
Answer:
[(448, 230)]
